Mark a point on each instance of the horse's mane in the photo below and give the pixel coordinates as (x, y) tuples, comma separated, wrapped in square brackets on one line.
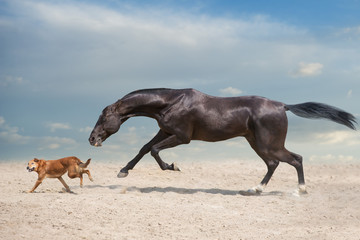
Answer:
[(149, 90)]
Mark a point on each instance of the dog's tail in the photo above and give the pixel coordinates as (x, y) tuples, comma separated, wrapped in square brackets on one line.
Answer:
[(84, 165)]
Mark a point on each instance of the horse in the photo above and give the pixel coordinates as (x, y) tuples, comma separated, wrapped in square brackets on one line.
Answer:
[(187, 114)]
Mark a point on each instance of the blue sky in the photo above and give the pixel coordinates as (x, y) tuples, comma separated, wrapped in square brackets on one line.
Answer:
[(62, 62)]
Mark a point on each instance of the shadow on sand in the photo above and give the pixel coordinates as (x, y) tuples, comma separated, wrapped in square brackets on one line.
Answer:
[(186, 190)]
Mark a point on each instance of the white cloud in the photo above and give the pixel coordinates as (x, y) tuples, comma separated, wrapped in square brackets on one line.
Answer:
[(307, 69), (167, 46), (56, 126), (230, 91), (55, 142), (169, 155), (180, 28), (131, 137), (350, 33), (349, 94), (235, 143), (10, 80), (86, 129), (330, 158), (2, 121), (54, 146), (354, 30), (348, 138), (10, 134)]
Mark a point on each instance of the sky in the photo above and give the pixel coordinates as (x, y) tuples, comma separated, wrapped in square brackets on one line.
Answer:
[(62, 62)]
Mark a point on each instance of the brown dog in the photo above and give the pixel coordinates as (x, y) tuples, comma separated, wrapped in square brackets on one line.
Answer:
[(57, 168)]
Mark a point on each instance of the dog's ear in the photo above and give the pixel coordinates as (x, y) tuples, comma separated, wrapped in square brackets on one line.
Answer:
[(36, 160)]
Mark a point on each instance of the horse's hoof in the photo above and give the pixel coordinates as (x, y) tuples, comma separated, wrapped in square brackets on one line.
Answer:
[(258, 189), (122, 174), (176, 167), (250, 192), (255, 191), (300, 191)]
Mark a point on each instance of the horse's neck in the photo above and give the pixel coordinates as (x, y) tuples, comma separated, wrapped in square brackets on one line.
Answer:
[(143, 105)]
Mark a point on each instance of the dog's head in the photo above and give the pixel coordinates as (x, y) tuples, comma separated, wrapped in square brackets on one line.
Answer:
[(33, 165)]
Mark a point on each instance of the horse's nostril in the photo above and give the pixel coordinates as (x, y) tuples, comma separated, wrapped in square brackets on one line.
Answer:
[(92, 140)]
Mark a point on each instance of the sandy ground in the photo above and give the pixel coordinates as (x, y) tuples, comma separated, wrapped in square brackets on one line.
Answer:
[(200, 202)]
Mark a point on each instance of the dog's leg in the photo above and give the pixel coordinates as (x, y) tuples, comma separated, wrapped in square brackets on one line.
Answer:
[(74, 171), (81, 180), (89, 175), (38, 182), (65, 185)]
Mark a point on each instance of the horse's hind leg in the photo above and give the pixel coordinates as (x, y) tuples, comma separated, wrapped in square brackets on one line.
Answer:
[(272, 152), (271, 166), (284, 155), (294, 160), (271, 162), (171, 141)]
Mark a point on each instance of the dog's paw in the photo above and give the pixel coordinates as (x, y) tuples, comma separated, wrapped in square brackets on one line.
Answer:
[(64, 190)]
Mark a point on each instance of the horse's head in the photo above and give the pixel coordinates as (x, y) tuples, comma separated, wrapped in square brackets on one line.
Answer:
[(108, 123)]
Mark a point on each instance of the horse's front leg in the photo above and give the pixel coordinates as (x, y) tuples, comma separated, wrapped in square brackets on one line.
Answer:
[(144, 150)]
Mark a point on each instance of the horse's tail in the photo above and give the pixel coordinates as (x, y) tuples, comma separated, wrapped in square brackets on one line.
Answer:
[(320, 110)]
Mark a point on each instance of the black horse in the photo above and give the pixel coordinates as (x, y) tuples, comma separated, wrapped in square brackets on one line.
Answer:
[(187, 114)]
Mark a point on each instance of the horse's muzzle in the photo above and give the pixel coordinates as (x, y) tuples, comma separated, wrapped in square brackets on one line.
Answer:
[(95, 142)]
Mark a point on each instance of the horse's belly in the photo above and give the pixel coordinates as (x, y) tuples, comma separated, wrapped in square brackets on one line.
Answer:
[(214, 134)]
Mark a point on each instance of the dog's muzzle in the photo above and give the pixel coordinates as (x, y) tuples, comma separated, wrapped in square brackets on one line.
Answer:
[(30, 169)]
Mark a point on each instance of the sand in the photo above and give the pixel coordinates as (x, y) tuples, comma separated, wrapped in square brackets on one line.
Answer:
[(200, 202)]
